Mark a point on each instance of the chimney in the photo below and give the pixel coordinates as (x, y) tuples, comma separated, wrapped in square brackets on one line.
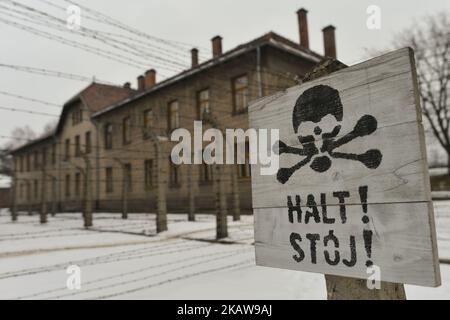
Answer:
[(141, 83), (194, 57), (303, 27), (217, 46), (150, 78), (329, 41), (127, 85)]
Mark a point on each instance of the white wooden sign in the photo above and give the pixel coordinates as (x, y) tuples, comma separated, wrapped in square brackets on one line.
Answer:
[(353, 188)]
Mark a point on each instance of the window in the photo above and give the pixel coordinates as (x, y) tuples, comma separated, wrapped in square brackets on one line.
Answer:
[(240, 93), (148, 122), (108, 136), (174, 174), (36, 189), (126, 132), (174, 117), (206, 173), (54, 154), (67, 153), (21, 190), (128, 176), (77, 146), (109, 180), (87, 143), (21, 163), (77, 184), (203, 103), (67, 185), (244, 170), (148, 118), (148, 169), (77, 116)]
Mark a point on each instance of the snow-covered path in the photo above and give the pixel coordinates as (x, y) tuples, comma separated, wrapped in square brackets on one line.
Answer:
[(126, 260)]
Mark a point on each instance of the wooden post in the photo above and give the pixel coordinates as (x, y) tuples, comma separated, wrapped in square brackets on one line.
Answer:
[(87, 210), (43, 210), (344, 288), (235, 194), (191, 212), (221, 203)]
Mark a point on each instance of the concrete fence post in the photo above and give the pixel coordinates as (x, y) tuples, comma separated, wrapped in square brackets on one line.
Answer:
[(219, 188), (87, 210), (43, 209), (13, 203), (221, 203), (125, 188), (191, 212), (54, 200), (161, 205), (235, 194), (125, 191)]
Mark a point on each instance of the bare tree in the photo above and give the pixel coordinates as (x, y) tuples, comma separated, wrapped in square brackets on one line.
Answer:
[(19, 137), (50, 127), (430, 40)]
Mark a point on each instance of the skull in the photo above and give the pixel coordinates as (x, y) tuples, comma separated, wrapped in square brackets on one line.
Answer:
[(317, 114), (316, 120)]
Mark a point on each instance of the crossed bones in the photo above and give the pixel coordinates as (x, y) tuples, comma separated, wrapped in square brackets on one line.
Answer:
[(365, 126)]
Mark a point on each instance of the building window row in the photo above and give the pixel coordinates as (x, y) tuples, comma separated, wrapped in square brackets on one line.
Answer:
[(240, 97), (78, 146)]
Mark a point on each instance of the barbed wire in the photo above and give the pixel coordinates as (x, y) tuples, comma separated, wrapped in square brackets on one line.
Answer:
[(211, 257), (55, 74), (249, 262), (116, 23), (123, 46), (114, 257)]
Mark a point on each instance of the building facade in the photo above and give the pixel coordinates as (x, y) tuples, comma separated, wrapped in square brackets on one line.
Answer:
[(121, 133)]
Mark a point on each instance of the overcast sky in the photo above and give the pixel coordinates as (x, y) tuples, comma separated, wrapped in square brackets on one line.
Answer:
[(189, 21)]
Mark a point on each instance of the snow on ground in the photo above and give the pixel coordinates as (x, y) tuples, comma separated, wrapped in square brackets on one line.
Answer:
[(125, 259)]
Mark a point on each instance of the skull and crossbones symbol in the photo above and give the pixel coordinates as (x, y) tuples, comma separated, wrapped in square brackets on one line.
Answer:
[(315, 105)]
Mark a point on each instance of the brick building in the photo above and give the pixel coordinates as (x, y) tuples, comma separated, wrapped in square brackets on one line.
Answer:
[(115, 129), (57, 155)]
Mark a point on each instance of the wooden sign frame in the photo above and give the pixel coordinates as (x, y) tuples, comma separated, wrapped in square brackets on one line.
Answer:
[(355, 196)]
